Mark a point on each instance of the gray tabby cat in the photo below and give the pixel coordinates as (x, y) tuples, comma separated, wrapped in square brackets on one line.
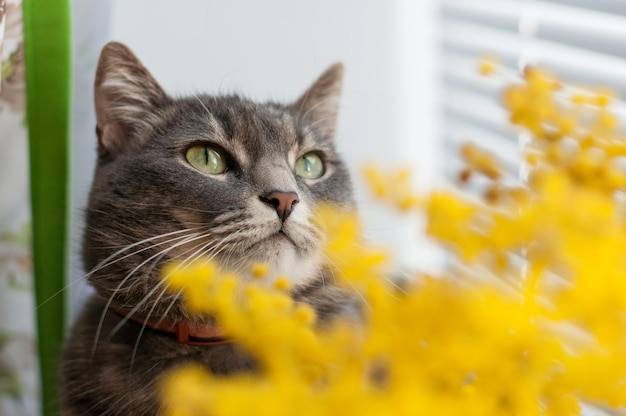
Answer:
[(181, 179)]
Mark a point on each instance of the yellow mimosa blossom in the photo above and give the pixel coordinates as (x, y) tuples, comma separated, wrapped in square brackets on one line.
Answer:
[(394, 187), (481, 161), (260, 270), (530, 321), (488, 65)]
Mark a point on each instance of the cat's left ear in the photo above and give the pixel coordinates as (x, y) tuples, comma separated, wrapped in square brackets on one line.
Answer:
[(319, 105)]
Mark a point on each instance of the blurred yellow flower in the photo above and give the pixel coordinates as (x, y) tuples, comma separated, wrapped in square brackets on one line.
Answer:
[(488, 65), (533, 323)]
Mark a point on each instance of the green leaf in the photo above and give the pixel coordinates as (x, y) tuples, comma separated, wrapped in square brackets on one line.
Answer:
[(48, 81)]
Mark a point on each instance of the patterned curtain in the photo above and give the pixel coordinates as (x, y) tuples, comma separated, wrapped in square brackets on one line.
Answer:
[(19, 387), (34, 186)]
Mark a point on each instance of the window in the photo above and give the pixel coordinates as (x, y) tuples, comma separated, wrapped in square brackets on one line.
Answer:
[(582, 42)]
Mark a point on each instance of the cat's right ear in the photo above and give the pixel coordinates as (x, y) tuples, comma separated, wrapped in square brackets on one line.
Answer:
[(127, 99)]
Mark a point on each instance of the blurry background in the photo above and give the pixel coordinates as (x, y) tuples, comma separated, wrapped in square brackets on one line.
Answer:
[(275, 50)]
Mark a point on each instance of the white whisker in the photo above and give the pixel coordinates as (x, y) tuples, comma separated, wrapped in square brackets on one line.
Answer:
[(104, 263), (128, 276), (143, 326), (135, 309)]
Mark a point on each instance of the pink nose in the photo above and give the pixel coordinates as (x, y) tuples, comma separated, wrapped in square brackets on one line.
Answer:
[(282, 202)]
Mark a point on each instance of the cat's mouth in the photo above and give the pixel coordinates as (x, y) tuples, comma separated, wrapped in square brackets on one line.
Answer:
[(283, 237), (280, 236), (277, 238), (288, 249)]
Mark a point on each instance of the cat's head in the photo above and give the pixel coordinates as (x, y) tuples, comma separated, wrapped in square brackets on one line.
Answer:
[(219, 177)]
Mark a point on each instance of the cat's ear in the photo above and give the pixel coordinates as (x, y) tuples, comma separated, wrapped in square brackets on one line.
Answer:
[(319, 105), (127, 98)]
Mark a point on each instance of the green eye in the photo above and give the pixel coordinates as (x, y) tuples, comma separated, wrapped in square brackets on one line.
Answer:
[(206, 159), (310, 166)]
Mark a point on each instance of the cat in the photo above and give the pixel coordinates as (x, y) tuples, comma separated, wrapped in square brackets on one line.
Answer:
[(179, 179)]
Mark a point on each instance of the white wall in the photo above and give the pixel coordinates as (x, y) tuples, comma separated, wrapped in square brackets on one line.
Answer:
[(90, 30), (274, 49)]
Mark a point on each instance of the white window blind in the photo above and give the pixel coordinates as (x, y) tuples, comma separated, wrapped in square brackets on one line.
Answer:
[(581, 41)]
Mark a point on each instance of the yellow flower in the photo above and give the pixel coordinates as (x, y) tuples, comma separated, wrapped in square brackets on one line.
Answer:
[(488, 65), (260, 270), (394, 187), (481, 161), (530, 320)]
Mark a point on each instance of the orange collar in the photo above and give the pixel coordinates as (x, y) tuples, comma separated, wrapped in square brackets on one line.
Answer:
[(185, 331)]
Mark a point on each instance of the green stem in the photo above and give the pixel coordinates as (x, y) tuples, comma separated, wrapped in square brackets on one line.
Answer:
[(48, 85)]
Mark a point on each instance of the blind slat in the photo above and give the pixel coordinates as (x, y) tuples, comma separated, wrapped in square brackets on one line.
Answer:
[(561, 17), (576, 65), (471, 106)]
